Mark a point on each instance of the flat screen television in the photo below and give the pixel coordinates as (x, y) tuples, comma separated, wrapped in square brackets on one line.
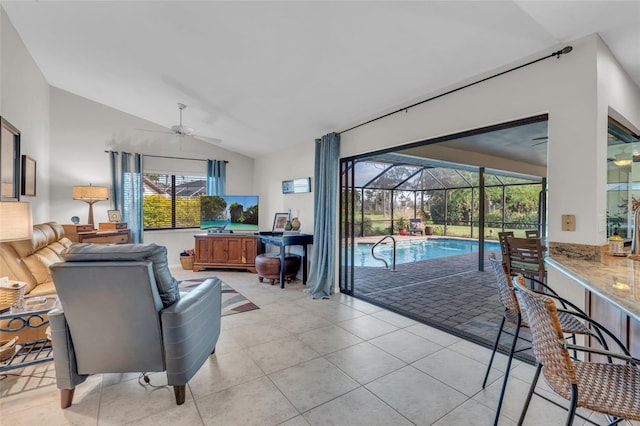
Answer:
[(229, 212)]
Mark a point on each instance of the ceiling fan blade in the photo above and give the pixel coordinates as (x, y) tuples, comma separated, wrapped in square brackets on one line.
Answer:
[(208, 139), (155, 131)]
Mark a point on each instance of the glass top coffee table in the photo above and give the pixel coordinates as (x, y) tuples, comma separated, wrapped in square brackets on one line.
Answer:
[(29, 314)]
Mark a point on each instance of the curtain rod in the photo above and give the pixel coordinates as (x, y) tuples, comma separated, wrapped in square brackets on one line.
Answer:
[(171, 158), (557, 54), (177, 158)]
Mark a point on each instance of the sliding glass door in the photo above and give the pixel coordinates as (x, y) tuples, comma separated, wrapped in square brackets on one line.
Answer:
[(347, 225)]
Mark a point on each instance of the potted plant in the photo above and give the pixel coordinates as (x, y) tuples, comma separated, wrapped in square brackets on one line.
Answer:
[(401, 223)]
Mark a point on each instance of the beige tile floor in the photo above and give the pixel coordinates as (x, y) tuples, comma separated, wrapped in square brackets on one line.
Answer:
[(298, 361)]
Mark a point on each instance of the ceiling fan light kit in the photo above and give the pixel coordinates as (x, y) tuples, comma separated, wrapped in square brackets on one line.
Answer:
[(182, 130), (622, 162)]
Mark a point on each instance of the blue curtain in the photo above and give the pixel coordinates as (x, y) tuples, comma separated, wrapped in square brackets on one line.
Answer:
[(216, 177), (128, 191), (113, 164), (323, 259)]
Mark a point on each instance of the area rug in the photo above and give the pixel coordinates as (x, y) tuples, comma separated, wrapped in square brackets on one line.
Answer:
[(232, 301)]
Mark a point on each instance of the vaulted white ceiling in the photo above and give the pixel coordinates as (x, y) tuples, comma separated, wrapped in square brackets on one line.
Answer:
[(264, 75)]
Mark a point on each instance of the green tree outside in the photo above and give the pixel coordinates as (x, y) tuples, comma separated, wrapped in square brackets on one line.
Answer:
[(157, 212)]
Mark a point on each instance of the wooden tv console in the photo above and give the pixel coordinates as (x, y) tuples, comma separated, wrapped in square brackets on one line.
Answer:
[(235, 251)]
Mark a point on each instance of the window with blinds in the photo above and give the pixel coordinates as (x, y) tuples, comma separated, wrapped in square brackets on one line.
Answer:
[(172, 201)]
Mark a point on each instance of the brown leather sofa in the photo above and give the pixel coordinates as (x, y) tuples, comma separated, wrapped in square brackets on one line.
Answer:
[(29, 260)]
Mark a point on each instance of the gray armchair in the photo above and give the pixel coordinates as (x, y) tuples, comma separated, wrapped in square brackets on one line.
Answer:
[(123, 313)]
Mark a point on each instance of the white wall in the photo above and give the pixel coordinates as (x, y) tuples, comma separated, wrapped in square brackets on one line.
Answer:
[(270, 170), (297, 161), (618, 97), (81, 131), (24, 102)]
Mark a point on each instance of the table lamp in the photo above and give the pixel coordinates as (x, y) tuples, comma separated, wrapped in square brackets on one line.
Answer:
[(90, 194), (16, 222)]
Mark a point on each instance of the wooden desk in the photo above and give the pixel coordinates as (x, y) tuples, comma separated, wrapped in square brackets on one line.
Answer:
[(282, 241), (121, 236), (86, 234), (71, 231)]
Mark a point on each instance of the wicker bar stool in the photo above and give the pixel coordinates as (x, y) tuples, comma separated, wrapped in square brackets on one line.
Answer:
[(611, 389), (571, 321)]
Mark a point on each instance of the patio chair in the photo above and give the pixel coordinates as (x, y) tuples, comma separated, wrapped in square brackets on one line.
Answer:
[(531, 233), (502, 238), (415, 225), (526, 257), (571, 321), (608, 388)]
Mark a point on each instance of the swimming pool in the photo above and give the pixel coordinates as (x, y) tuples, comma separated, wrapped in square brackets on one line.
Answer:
[(417, 250)]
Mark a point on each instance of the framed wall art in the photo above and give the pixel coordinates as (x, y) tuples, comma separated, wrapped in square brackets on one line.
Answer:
[(28, 183), (9, 161), (296, 186)]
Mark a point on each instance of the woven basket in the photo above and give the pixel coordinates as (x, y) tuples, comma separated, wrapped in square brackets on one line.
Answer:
[(187, 262), (11, 294), (8, 351)]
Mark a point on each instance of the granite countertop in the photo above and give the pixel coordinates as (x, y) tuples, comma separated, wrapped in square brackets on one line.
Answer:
[(616, 279)]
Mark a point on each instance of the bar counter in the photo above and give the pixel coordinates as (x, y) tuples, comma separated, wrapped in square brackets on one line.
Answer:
[(615, 279)]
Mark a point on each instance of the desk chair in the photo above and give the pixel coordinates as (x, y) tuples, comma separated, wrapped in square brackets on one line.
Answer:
[(571, 322), (611, 389)]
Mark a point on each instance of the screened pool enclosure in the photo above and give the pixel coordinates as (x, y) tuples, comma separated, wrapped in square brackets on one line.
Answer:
[(392, 189), (397, 194)]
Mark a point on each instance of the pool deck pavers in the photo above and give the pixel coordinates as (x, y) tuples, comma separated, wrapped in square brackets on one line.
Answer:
[(447, 293)]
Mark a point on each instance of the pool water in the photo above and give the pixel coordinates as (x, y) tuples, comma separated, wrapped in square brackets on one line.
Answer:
[(417, 250)]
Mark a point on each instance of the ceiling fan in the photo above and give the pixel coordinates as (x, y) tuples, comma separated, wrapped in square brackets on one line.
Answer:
[(624, 158), (181, 130)]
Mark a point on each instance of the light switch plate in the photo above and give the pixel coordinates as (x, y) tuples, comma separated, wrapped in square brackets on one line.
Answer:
[(568, 222)]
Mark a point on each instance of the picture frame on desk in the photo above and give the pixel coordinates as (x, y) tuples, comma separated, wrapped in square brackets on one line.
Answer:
[(279, 222), (114, 215)]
